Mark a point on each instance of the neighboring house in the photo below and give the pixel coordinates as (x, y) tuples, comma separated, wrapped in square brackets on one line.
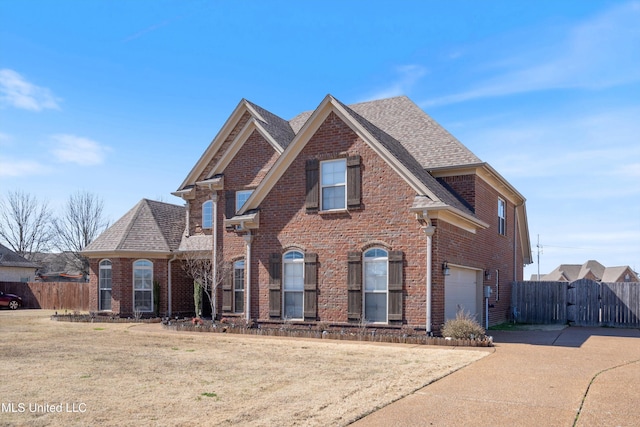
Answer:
[(15, 268), (58, 267), (592, 270), (364, 214)]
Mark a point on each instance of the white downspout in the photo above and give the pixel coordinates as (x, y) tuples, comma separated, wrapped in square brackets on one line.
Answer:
[(214, 253), (248, 238), (429, 230)]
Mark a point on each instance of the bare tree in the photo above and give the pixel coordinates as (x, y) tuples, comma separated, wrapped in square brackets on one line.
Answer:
[(81, 221), (25, 223), (197, 266)]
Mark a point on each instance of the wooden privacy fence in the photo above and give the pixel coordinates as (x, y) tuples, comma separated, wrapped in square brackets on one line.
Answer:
[(583, 303), (50, 295)]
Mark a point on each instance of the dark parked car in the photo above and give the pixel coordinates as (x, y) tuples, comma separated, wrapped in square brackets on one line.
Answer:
[(10, 300)]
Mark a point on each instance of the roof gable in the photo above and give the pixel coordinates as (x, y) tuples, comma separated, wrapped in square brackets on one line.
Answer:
[(387, 147), (150, 226), (275, 129)]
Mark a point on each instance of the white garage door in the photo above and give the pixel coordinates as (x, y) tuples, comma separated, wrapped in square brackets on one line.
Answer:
[(460, 292)]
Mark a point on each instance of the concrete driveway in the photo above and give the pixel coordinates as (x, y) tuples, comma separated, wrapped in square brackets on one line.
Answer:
[(570, 377)]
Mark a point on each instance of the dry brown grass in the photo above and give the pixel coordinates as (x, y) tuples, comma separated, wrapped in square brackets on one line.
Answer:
[(133, 374)]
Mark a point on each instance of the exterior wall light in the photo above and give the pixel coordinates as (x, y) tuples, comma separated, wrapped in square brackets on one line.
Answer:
[(487, 275), (445, 268)]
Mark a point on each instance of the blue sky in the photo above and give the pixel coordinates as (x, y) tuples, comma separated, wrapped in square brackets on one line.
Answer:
[(122, 98)]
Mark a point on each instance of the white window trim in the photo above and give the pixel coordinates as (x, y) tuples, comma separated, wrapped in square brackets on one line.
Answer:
[(242, 192), (502, 219), (364, 283), (284, 290), (133, 280), (344, 184), (208, 203), (235, 290), (101, 267)]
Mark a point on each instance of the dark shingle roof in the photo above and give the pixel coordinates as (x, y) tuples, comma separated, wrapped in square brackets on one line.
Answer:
[(9, 258), (401, 153), (150, 226), (278, 128), (429, 143)]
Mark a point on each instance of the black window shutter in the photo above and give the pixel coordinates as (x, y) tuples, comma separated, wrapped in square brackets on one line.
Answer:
[(229, 203), (354, 285), (353, 182), (310, 285), (312, 168), (395, 285), (227, 290), (275, 285)]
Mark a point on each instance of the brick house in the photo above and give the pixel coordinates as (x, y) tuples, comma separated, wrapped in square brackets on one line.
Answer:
[(348, 214)]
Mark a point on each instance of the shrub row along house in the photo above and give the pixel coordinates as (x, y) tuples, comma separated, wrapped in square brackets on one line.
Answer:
[(348, 214)]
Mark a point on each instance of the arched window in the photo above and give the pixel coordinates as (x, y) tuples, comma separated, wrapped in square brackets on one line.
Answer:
[(376, 285), (293, 284), (143, 286), (207, 214), (238, 286), (104, 285)]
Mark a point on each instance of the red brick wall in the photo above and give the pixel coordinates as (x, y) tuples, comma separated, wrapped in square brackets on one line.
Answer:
[(122, 285), (384, 220)]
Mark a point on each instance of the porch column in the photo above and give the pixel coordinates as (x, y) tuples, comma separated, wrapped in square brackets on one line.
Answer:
[(214, 252), (428, 231), (248, 238)]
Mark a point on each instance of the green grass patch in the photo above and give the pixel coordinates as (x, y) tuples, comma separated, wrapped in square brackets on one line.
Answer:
[(98, 329)]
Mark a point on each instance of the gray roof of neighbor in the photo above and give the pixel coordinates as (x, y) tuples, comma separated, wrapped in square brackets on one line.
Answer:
[(9, 258), (571, 272), (150, 226)]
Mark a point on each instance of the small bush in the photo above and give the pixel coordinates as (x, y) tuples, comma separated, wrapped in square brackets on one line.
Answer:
[(464, 326)]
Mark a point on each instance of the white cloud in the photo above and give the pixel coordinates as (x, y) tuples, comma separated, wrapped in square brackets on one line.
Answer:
[(17, 92), (15, 168), (601, 52), (75, 149), (408, 76)]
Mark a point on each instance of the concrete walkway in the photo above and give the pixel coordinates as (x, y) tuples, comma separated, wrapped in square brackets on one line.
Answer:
[(574, 376)]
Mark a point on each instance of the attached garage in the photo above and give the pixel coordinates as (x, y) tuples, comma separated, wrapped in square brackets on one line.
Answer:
[(462, 290)]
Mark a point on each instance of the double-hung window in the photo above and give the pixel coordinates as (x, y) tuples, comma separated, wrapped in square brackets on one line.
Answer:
[(376, 285), (143, 286), (105, 285), (207, 214), (333, 183), (241, 198), (293, 286), (238, 286), (502, 218)]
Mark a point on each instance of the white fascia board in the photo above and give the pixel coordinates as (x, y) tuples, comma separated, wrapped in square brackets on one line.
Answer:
[(246, 222), (217, 142), (456, 217), (523, 230), (212, 183), (186, 194)]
